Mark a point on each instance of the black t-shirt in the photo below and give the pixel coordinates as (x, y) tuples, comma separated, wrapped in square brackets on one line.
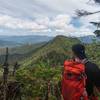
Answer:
[(93, 77)]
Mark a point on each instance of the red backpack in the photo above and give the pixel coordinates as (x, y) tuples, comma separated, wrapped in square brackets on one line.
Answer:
[(74, 81)]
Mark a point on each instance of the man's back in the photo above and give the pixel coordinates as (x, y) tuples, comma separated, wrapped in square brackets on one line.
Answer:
[(93, 77)]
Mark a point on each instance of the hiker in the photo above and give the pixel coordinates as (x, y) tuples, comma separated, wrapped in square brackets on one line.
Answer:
[(81, 78)]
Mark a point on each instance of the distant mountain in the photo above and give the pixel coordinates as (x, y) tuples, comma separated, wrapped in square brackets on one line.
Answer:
[(54, 52), (4, 43), (29, 39), (89, 39), (11, 41), (20, 52)]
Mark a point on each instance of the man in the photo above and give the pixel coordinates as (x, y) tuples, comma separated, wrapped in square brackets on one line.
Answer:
[(91, 70)]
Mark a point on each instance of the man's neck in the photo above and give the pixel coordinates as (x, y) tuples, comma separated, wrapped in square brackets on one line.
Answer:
[(81, 60)]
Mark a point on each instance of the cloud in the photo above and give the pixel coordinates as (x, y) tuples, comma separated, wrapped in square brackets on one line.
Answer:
[(60, 21), (60, 24), (16, 23), (91, 18), (51, 17), (43, 24), (68, 6)]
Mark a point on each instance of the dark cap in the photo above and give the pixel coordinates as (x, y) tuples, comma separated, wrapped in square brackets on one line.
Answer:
[(79, 50)]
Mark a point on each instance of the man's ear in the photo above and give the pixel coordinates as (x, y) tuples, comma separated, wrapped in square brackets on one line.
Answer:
[(73, 58), (98, 89)]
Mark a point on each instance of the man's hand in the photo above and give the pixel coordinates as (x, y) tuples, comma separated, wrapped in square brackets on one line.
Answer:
[(97, 90), (62, 97)]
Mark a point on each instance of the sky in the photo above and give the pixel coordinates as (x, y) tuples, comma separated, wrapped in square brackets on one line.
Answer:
[(46, 17)]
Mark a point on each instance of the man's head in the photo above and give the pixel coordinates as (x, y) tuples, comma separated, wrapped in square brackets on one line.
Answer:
[(79, 51)]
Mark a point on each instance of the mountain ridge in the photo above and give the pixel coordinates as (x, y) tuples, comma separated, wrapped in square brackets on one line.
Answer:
[(89, 39), (58, 46)]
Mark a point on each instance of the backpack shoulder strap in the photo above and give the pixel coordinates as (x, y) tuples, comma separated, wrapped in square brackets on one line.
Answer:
[(85, 61)]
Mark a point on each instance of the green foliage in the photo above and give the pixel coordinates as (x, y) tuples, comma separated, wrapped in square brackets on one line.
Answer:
[(35, 80), (44, 67), (40, 74), (54, 52), (53, 58), (93, 52), (19, 53)]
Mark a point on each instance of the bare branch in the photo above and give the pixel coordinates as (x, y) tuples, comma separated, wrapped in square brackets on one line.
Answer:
[(97, 1), (97, 24), (81, 13)]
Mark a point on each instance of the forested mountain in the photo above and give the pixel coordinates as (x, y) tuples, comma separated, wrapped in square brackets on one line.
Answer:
[(19, 53), (53, 51), (45, 67), (89, 39), (40, 73), (5, 43)]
